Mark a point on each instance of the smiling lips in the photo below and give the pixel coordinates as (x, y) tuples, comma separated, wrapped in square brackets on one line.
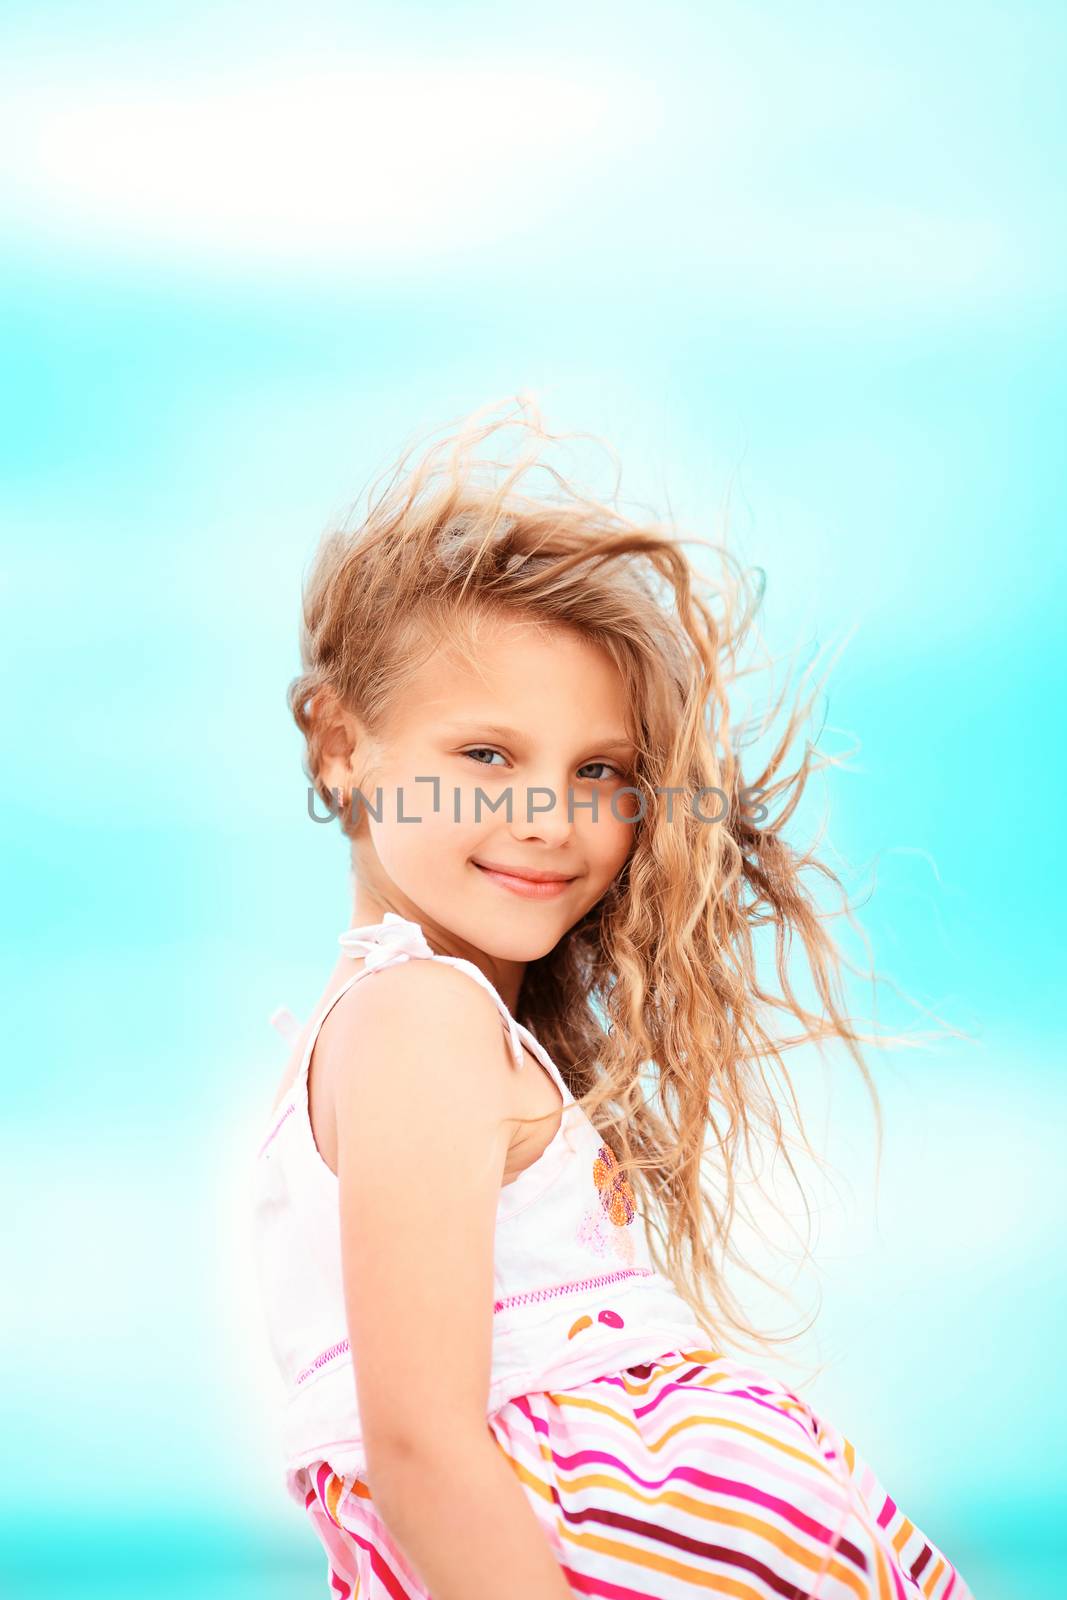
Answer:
[(525, 881)]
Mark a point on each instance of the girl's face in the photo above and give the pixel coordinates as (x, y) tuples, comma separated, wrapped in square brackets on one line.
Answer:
[(540, 727)]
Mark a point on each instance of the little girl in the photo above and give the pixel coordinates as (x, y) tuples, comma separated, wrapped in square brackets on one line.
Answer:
[(489, 1255)]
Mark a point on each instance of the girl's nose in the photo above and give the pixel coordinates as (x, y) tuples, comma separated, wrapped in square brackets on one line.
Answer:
[(541, 813)]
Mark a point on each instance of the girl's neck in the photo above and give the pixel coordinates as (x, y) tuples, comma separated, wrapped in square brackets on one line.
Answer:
[(368, 909)]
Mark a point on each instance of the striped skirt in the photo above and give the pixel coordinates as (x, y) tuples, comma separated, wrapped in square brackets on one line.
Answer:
[(689, 1475)]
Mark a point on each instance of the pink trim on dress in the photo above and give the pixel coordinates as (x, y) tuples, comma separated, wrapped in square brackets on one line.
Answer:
[(342, 1345), (273, 1134), (572, 1288)]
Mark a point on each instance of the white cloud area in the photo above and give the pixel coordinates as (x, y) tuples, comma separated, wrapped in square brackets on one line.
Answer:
[(357, 164), (780, 182)]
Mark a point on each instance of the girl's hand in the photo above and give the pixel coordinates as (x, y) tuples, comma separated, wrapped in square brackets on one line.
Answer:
[(421, 1073)]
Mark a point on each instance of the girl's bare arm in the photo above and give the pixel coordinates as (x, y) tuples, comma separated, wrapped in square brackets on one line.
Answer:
[(420, 1068), (460, 1514)]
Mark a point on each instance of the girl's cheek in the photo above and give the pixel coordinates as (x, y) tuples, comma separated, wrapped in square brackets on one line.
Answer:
[(627, 807)]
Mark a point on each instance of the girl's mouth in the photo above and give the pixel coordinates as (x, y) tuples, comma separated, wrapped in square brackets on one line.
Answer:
[(529, 888)]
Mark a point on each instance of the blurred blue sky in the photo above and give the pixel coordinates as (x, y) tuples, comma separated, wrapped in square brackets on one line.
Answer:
[(803, 268)]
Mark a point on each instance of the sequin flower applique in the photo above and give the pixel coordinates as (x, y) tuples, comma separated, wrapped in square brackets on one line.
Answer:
[(616, 1194), (603, 1228)]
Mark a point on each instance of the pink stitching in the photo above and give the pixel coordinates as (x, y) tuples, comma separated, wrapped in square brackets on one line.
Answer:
[(571, 1288), (275, 1130), (342, 1345), (321, 1360)]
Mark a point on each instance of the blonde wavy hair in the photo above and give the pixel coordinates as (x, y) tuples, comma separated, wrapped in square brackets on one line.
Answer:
[(651, 1005)]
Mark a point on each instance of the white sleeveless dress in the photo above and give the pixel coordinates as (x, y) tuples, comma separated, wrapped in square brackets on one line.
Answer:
[(656, 1465)]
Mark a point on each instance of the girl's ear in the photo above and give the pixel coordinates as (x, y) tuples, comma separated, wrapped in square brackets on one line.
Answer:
[(341, 739)]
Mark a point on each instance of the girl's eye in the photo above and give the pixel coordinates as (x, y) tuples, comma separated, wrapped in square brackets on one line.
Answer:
[(480, 750), (609, 770)]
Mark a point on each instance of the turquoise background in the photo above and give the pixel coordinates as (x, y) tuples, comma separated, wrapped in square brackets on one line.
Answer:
[(803, 267)]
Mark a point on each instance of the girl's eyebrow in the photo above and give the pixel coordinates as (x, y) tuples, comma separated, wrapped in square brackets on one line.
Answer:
[(614, 741)]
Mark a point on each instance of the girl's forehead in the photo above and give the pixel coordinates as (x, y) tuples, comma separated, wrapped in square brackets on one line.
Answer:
[(516, 674), (535, 675), (499, 649)]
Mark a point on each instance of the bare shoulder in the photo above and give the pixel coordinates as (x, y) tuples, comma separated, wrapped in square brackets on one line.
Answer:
[(420, 1018), (421, 1084), (419, 995)]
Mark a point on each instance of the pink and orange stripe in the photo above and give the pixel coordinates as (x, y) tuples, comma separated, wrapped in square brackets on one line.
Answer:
[(690, 1475)]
